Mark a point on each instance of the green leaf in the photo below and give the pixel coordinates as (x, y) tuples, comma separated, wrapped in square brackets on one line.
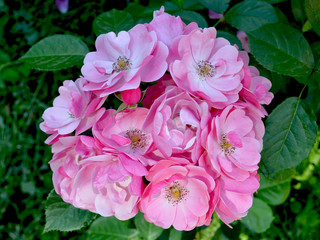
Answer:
[(230, 37), (306, 27), (291, 131), (63, 216), (250, 15), (110, 228), (297, 7), (282, 49), (112, 21), (259, 217), (313, 14), (175, 234), (191, 16), (273, 1), (209, 232), (218, 6), (147, 230), (273, 192), (55, 53)]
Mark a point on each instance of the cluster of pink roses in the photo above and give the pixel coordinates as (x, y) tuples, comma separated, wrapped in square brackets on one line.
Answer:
[(191, 150)]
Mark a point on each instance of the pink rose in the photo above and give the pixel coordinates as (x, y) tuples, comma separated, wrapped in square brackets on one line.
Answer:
[(183, 196), (208, 68), (123, 131), (169, 30), (104, 182), (232, 144), (235, 197), (176, 121), (122, 62), (68, 153), (73, 110)]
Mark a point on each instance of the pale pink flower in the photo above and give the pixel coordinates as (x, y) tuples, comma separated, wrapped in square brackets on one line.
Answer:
[(122, 61), (123, 131), (242, 36), (169, 30), (73, 110), (104, 182), (208, 68), (96, 181), (182, 196), (68, 152), (235, 198), (176, 121), (232, 144)]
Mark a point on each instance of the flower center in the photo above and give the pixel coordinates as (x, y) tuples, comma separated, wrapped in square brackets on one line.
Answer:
[(205, 69), (175, 193), (226, 147), (138, 138), (122, 64)]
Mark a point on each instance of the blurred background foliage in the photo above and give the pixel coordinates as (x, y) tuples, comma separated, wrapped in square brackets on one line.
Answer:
[(25, 177)]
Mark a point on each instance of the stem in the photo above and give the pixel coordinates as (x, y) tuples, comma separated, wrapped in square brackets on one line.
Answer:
[(313, 70), (220, 20)]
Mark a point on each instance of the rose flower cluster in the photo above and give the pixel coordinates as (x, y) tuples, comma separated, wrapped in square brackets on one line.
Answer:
[(191, 147)]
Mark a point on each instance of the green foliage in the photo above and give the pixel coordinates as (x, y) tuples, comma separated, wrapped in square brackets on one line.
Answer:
[(112, 21), (259, 217), (313, 14), (286, 205), (250, 15), (273, 192), (147, 231), (291, 131), (110, 228), (282, 49), (219, 6), (63, 216), (230, 37), (55, 53), (191, 16)]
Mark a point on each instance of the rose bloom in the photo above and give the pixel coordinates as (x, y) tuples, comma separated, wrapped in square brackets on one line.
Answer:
[(72, 110), (208, 68), (176, 120), (122, 61), (123, 131), (231, 144), (183, 196)]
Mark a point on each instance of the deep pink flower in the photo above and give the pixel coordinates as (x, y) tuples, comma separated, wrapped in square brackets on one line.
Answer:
[(122, 61), (73, 110), (183, 196), (169, 30), (131, 96), (232, 144), (156, 90), (176, 121), (208, 68)]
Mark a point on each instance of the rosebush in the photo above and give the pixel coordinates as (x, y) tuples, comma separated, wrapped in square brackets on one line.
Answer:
[(167, 117)]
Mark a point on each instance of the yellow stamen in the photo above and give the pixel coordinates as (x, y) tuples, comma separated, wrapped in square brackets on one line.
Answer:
[(135, 138), (175, 193)]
